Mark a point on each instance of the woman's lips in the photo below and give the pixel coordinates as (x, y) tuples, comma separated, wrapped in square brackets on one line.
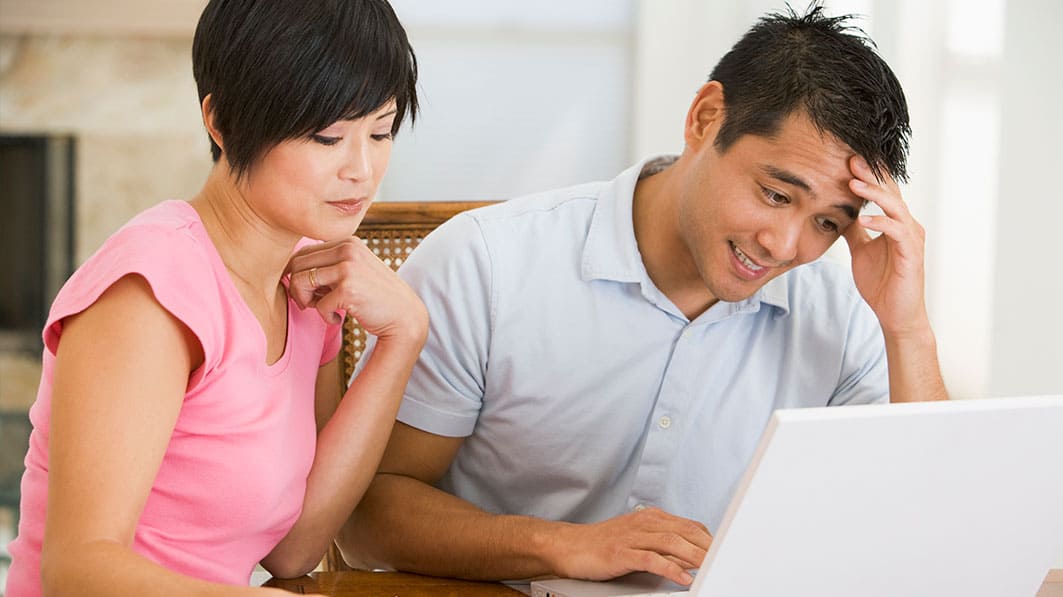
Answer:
[(348, 206)]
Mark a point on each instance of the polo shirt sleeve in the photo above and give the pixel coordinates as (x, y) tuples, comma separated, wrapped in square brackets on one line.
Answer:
[(864, 377), (450, 271)]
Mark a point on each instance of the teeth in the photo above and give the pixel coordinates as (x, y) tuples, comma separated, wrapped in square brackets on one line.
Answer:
[(746, 260)]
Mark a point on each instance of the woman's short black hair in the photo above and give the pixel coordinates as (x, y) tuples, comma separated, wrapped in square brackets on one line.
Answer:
[(826, 68), (284, 69)]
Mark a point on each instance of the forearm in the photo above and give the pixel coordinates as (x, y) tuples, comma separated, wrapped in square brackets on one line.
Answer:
[(349, 449), (108, 568), (914, 372), (404, 524)]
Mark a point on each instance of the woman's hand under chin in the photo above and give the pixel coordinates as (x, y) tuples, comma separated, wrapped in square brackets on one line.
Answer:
[(345, 277)]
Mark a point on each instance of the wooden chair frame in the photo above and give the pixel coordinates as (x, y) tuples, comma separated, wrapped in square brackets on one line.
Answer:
[(392, 230)]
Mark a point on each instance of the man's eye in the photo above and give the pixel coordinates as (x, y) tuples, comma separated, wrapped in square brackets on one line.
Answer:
[(325, 140), (773, 197), (827, 225)]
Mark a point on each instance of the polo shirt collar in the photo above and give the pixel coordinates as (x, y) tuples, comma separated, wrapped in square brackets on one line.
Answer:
[(610, 251)]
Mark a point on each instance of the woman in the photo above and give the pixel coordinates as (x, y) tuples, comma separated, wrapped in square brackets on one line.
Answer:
[(184, 427)]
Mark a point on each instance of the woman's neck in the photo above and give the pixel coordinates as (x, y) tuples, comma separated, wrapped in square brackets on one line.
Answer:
[(255, 253)]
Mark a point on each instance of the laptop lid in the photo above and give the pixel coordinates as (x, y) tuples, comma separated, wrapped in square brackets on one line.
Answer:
[(943, 498)]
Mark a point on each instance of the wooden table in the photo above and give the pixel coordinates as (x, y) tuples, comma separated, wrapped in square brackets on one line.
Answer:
[(397, 584), (389, 584)]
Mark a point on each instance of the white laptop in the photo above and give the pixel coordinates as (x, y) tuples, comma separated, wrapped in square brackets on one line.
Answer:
[(937, 499)]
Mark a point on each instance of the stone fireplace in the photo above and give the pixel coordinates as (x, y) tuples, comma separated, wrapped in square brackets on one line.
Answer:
[(128, 104)]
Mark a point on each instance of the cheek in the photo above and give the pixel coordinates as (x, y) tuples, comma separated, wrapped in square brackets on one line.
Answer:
[(381, 159), (813, 246), (295, 169)]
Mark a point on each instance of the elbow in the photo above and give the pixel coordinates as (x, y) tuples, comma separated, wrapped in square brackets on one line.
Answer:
[(357, 550), (291, 567)]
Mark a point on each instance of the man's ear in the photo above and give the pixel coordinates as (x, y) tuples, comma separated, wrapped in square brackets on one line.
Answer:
[(705, 116), (207, 110)]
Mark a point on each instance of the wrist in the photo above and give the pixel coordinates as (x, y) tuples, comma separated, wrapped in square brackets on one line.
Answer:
[(403, 339), (411, 332), (912, 334), (547, 540)]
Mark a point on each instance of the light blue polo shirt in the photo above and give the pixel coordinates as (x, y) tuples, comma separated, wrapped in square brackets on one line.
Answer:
[(583, 392)]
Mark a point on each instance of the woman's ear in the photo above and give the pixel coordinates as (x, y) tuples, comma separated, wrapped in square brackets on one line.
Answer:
[(207, 109), (705, 116)]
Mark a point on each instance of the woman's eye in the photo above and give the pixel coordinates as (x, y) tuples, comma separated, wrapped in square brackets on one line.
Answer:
[(773, 197), (325, 140), (382, 137)]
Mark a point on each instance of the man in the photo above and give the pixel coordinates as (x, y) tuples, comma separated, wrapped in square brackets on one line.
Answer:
[(603, 359)]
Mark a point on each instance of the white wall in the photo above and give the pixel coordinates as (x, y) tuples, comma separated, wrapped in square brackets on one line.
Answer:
[(516, 98), (1027, 327)]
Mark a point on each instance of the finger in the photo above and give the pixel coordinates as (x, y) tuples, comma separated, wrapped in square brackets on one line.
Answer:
[(333, 307), (904, 237), (655, 563), (671, 544), (886, 225), (891, 203), (683, 563), (319, 246), (856, 235), (302, 288), (323, 254), (307, 250), (329, 296), (861, 170), (309, 286), (333, 298), (692, 530)]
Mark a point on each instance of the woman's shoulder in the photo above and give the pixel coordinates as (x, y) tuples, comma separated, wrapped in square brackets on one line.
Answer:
[(165, 241), (165, 245), (160, 227)]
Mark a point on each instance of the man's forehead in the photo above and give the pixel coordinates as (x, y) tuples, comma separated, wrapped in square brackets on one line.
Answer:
[(826, 189)]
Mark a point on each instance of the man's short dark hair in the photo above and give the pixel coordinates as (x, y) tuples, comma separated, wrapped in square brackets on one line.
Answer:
[(826, 68), (284, 69)]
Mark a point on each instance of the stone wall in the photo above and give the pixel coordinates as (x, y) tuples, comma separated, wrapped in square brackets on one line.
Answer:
[(130, 103)]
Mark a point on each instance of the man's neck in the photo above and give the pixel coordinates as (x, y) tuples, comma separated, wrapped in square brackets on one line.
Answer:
[(665, 255)]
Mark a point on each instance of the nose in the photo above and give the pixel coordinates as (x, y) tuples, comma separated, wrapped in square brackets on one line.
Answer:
[(781, 239), (357, 165)]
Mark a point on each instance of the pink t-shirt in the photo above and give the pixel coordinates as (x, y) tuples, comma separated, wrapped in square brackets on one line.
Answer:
[(232, 481)]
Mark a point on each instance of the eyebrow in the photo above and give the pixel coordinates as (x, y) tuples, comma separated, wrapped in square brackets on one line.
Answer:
[(794, 180), (386, 114)]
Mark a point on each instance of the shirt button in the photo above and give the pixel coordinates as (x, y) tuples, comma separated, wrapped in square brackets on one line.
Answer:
[(640, 507), (664, 422)]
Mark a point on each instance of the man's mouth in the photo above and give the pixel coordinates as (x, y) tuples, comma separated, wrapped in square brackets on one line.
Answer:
[(746, 261)]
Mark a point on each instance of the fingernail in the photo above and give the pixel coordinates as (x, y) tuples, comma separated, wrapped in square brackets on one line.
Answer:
[(686, 578), (865, 219), (859, 183)]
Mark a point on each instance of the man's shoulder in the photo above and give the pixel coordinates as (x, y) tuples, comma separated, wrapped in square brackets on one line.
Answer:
[(824, 270), (563, 202), (822, 283)]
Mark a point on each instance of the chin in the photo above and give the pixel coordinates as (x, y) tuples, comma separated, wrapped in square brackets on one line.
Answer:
[(337, 232), (737, 293)]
